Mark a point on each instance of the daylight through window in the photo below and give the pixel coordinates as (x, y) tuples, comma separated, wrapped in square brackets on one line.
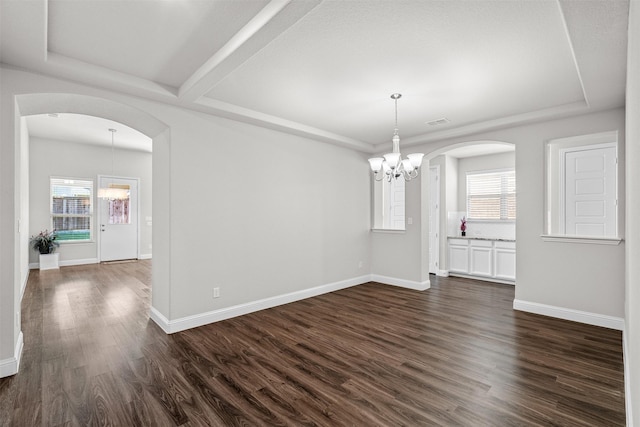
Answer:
[(491, 195), (72, 209)]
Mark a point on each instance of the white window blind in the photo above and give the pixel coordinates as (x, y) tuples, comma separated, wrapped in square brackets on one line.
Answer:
[(491, 195), (72, 208)]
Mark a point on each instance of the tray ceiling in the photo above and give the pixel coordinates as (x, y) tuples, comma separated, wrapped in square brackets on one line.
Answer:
[(325, 69)]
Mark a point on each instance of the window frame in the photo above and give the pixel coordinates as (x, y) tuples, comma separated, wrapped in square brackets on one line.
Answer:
[(504, 194), (553, 161), (72, 181)]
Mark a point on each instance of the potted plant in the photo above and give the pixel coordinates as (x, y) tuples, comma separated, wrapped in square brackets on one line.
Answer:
[(45, 243), (463, 226)]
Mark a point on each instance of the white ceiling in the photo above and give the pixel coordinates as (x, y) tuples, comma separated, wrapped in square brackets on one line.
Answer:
[(326, 69), (87, 130)]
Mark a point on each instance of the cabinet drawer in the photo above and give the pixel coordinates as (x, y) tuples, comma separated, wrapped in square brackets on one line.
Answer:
[(505, 245), (458, 242), (481, 243)]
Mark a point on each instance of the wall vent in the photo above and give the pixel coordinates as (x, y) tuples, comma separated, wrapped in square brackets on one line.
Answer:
[(437, 122)]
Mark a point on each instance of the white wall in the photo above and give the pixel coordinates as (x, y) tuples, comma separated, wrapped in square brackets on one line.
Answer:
[(82, 161), (10, 203), (632, 319), (23, 229), (395, 256), (257, 230)]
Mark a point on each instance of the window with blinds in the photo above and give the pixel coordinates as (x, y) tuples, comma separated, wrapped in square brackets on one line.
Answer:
[(491, 195), (72, 209)]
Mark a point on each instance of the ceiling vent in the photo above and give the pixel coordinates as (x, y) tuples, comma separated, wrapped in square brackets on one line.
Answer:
[(437, 122)]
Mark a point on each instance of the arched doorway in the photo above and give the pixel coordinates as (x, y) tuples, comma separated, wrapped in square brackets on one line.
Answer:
[(445, 206), (43, 103)]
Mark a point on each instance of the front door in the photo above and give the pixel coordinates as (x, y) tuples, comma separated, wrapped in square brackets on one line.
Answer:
[(118, 219)]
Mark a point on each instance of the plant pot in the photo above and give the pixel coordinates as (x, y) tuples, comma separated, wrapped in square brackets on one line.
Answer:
[(49, 261), (464, 233)]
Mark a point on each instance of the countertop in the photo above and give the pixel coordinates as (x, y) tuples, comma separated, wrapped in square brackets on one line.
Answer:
[(497, 239)]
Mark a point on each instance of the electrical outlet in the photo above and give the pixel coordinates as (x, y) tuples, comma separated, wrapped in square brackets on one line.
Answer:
[(360, 264), (216, 292)]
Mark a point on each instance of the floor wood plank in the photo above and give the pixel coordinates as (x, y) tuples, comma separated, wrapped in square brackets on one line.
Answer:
[(454, 355)]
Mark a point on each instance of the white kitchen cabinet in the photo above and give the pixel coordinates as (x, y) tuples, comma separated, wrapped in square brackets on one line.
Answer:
[(458, 255), (505, 260), (481, 258), (487, 259)]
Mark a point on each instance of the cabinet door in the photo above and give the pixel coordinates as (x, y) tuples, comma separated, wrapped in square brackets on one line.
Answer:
[(481, 261), (459, 259), (505, 264)]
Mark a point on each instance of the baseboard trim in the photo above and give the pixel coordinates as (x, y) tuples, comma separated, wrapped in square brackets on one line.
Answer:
[(409, 284), (188, 322), (570, 314), (71, 262), (68, 263), (11, 365), (483, 278), (627, 379), (443, 273), (160, 320), (144, 256)]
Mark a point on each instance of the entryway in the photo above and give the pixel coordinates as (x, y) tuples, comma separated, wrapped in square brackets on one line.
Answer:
[(118, 219)]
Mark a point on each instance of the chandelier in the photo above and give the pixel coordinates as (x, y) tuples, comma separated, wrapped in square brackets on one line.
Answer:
[(391, 165), (113, 191)]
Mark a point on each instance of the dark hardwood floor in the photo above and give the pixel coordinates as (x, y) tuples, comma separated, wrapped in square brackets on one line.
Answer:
[(457, 354)]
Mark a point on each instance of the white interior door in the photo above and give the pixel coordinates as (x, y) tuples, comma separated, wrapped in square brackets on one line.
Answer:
[(119, 220), (394, 218), (434, 219), (590, 192)]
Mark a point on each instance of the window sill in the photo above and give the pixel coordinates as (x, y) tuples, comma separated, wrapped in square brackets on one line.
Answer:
[(387, 230), (582, 240), (76, 242)]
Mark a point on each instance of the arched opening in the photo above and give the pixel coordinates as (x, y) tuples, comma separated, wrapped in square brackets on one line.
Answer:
[(445, 187), (159, 132)]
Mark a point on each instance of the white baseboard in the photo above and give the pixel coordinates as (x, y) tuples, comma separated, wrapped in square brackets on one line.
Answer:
[(443, 273), (484, 279), (410, 284), (11, 365), (570, 314), (188, 322), (160, 320), (68, 263), (144, 256), (627, 379), (71, 262)]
